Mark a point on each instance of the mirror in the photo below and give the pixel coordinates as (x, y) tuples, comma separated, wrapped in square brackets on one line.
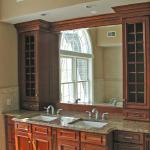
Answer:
[(91, 66)]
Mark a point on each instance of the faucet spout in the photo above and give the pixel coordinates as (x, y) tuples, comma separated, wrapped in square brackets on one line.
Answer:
[(48, 109)]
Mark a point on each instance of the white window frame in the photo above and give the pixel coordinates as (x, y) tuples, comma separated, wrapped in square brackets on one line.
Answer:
[(76, 55)]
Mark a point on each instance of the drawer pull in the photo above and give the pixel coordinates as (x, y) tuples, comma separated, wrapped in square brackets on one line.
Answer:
[(29, 142), (128, 137)]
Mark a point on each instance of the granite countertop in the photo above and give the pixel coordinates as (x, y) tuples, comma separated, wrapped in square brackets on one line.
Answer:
[(115, 122)]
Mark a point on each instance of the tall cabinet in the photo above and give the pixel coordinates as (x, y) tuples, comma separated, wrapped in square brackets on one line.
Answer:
[(136, 60), (37, 54)]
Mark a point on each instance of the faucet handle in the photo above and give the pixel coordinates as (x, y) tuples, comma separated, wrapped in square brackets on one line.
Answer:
[(45, 107), (58, 111), (105, 116), (94, 110), (89, 114)]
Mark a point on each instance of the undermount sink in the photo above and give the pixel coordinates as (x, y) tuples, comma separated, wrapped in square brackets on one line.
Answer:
[(89, 124), (44, 118)]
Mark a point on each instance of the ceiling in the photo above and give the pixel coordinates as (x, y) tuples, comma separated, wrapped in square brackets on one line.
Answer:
[(75, 11)]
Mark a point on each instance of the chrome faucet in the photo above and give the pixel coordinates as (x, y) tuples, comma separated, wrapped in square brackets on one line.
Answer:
[(48, 109), (77, 100), (94, 110)]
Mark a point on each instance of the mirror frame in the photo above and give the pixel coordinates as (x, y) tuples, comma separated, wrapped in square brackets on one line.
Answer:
[(86, 22)]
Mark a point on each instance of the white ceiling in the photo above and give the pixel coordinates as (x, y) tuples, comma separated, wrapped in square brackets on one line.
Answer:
[(75, 11)]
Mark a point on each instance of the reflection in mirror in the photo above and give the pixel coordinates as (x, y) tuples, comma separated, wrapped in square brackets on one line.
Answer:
[(91, 66)]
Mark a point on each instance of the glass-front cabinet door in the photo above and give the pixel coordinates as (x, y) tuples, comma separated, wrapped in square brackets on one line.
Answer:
[(136, 65)]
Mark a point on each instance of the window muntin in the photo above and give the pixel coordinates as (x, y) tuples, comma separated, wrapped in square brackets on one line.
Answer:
[(75, 40)]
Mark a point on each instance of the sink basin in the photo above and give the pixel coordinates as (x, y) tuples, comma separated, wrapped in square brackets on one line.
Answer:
[(89, 124), (44, 118)]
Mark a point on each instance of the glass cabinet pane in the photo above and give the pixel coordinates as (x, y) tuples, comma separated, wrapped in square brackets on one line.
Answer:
[(29, 65), (135, 58)]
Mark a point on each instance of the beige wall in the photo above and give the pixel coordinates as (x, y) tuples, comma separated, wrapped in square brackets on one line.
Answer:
[(9, 8), (107, 63), (8, 74)]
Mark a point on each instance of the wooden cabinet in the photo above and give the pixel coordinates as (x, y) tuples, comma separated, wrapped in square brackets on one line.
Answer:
[(68, 145), (38, 77), (41, 137), (128, 140), (10, 133), (23, 136), (136, 68), (121, 146), (68, 139), (33, 137), (136, 60), (94, 141)]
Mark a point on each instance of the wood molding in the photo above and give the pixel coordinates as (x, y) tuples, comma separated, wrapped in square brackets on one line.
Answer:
[(139, 9), (94, 21), (83, 108), (33, 25)]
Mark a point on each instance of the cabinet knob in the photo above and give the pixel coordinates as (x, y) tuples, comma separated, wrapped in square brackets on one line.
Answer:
[(29, 142)]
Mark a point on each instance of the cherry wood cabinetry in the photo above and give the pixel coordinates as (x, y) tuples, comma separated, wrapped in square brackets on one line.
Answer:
[(136, 60), (94, 141), (33, 137), (38, 77), (23, 136), (10, 133), (128, 140), (136, 73), (41, 137), (68, 139)]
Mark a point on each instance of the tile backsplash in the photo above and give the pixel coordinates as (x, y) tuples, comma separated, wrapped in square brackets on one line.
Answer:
[(9, 99)]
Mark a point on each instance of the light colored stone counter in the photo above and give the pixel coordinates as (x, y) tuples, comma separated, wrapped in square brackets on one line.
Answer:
[(115, 122)]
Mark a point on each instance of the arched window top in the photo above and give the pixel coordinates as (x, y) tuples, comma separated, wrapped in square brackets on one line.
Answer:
[(76, 40)]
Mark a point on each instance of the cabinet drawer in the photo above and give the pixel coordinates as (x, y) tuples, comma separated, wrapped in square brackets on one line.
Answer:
[(42, 130), (93, 138), (23, 127), (122, 146), (129, 137), (137, 114), (85, 146), (68, 134)]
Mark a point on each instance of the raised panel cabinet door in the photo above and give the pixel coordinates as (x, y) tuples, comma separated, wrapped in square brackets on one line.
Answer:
[(23, 142), (122, 146), (86, 146), (42, 143), (68, 145)]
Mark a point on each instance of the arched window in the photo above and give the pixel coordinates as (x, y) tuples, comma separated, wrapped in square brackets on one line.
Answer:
[(75, 66), (76, 40)]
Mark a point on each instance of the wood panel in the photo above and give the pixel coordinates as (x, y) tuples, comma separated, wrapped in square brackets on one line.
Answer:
[(147, 142), (94, 21), (10, 133), (93, 138), (68, 145), (129, 137), (123, 146), (23, 142), (68, 134), (86, 146)]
